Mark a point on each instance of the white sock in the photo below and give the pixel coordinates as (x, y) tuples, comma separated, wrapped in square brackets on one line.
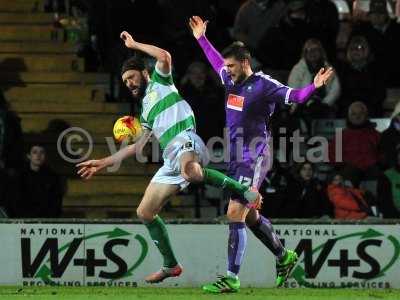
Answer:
[(232, 275)]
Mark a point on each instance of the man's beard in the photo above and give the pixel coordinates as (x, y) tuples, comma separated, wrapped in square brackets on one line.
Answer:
[(240, 78), (141, 91)]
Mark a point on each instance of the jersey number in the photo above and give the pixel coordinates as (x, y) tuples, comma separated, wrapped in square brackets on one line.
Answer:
[(246, 181)]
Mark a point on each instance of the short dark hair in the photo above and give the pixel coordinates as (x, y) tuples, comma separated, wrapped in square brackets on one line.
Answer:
[(31, 145), (133, 63), (237, 50)]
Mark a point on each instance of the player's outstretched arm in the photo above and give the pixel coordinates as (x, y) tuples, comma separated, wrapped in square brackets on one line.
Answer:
[(303, 94), (89, 168), (199, 27), (162, 56)]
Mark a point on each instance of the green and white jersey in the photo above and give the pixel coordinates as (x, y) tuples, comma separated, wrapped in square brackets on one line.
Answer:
[(164, 111)]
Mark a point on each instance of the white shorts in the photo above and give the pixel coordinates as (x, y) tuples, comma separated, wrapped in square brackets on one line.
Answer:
[(170, 172)]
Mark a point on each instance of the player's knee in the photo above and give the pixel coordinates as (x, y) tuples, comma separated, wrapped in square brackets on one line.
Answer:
[(252, 217), (235, 214), (231, 213), (144, 215), (191, 172)]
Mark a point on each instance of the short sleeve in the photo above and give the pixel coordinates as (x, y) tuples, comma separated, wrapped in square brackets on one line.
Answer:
[(161, 78)]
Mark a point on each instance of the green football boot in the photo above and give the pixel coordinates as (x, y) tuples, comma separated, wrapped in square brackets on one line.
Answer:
[(283, 268), (224, 284)]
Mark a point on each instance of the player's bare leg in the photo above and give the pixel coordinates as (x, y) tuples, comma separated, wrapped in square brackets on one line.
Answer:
[(237, 212), (155, 197), (191, 168)]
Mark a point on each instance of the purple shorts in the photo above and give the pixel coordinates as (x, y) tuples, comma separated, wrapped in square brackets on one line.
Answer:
[(250, 173)]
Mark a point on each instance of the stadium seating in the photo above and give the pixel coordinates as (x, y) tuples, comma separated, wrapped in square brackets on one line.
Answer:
[(18, 18), (30, 33), (31, 47), (41, 63), (21, 6), (45, 83)]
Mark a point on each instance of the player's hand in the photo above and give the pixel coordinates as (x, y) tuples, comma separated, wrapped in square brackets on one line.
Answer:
[(198, 26), (90, 167), (323, 77), (128, 40)]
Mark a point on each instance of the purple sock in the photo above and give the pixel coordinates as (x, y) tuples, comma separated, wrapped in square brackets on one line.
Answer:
[(236, 246), (264, 231)]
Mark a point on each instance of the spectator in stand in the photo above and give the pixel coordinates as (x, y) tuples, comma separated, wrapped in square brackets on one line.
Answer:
[(389, 190), (204, 93), (359, 12), (360, 79), (306, 198), (390, 140), (275, 190), (342, 40), (383, 34), (280, 47), (42, 189), (253, 20), (323, 18), (348, 202), (313, 58), (359, 145)]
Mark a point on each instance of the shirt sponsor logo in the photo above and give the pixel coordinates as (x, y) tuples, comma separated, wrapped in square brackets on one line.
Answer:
[(235, 102), (152, 96)]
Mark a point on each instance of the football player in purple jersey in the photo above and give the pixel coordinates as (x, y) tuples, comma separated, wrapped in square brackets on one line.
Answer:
[(250, 100)]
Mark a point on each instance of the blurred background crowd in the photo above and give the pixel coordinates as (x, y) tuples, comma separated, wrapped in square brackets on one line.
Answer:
[(290, 40)]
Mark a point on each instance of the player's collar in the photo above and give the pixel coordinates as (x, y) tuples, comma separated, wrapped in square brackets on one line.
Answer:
[(245, 80)]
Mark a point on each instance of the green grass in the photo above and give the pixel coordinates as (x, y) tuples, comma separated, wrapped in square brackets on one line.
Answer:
[(116, 293)]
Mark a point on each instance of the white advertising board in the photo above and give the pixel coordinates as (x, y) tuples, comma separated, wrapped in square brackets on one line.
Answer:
[(123, 254)]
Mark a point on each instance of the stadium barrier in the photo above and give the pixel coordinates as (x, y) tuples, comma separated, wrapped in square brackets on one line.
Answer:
[(73, 252)]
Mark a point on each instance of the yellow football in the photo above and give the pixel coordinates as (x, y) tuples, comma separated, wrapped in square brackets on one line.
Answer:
[(127, 127)]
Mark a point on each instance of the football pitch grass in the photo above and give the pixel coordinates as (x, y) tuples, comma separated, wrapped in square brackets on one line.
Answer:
[(153, 293)]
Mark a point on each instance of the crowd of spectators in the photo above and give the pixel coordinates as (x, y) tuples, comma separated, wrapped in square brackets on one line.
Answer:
[(291, 39), (295, 37)]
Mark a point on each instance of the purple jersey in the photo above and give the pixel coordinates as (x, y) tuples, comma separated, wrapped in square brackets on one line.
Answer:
[(249, 106)]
